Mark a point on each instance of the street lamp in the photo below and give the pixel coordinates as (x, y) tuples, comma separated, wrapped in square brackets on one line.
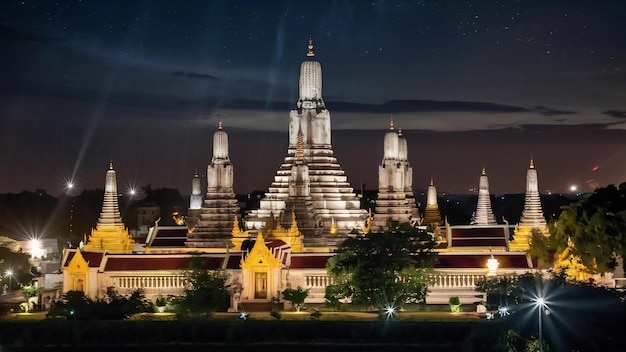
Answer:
[(541, 304), (9, 273)]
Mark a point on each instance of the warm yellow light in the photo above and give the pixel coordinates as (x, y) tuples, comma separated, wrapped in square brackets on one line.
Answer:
[(492, 265)]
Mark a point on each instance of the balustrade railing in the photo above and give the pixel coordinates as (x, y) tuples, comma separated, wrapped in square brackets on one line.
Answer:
[(455, 281), (317, 281), (147, 282)]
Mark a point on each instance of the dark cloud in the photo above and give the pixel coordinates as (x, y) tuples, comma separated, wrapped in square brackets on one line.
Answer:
[(389, 107), (551, 112), (615, 113), (194, 75)]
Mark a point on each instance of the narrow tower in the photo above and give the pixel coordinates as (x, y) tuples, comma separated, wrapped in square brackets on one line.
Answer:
[(110, 233), (395, 184), (432, 215), (483, 214), (330, 194), (532, 216), (195, 202), (215, 221)]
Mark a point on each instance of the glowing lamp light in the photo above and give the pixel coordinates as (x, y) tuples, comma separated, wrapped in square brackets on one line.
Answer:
[(573, 188), (9, 273), (492, 265), (35, 247), (540, 302), (390, 312)]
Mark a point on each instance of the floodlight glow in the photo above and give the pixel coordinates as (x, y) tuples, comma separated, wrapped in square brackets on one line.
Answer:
[(35, 247), (390, 312), (503, 311), (243, 315)]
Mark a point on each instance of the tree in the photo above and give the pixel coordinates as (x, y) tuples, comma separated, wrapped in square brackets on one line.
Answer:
[(593, 231), (296, 297), (206, 290), (113, 306), (382, 269), (15, 267)]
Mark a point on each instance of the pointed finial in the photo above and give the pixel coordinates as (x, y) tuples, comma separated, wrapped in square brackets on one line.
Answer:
[(111, 165), (431, 181), (391, 122), (484, 172), (532, 164), (310, 52), (399, 132), (219, 125)]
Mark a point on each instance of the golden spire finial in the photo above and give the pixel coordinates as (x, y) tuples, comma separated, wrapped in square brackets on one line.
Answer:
[(532, 164), (310, 52), (391, 122), (219, 125), (399, 132), (484, 172), (300, 144), (431, 181), (111, 165)]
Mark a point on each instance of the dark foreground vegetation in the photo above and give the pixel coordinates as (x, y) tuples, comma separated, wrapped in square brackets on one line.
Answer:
[(467, 336), (502, 334)]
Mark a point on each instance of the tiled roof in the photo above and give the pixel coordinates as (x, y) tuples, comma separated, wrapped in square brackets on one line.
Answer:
[(168, 242), (169, 237), (234, 261), (478, 242), (479, 261), (179, 232), (478, 232), (478, 237), (309, 261), (93, 258), (158, 262)]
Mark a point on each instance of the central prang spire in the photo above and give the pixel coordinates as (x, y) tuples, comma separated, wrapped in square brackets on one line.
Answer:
[(310, 183)]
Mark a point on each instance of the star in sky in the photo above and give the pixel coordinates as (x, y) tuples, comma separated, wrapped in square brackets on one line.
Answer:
[(145, 83)]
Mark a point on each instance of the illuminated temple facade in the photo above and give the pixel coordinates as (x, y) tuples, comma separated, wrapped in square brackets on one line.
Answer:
[(210, 221), (311, 184), (532, 215), (395, 201), (483, 214), (308, 209), (110, 233)]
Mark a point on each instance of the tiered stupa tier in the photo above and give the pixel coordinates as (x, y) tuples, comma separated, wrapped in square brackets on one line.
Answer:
[(396, 201), (311, 184), (432, 215), (483, 215), (110, 233), (214, 223), (532, 216)]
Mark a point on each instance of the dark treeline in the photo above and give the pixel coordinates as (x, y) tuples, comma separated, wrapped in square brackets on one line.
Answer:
[(38, 214)]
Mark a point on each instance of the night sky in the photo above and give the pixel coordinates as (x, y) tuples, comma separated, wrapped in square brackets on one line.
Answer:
[(471, 83)]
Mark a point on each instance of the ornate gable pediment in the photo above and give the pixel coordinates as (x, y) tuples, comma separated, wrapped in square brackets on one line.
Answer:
[(260, 255), (78, 264)]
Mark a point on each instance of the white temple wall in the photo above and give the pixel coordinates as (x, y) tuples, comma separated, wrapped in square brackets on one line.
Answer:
[(219, 178)]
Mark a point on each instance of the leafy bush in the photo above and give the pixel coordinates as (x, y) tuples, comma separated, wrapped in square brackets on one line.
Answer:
[(296, 297), (275, 314)]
